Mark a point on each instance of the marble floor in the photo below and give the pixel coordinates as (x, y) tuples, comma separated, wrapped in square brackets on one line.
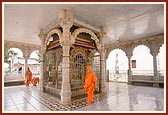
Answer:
[(120, 98)]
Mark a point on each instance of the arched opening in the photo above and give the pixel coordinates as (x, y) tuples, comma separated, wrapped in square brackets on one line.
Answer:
[(52, 78), (34, 63), (117, 66), (14, 63), (82, 53), (141, 61)]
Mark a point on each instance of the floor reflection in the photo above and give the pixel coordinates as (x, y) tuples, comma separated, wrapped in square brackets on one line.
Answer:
[(120, 97)]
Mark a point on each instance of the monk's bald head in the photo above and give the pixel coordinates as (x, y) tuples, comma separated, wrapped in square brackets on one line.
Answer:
[(88, 67)]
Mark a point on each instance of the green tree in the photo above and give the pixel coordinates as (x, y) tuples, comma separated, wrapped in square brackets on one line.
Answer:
[(9, 55), (39, 57)]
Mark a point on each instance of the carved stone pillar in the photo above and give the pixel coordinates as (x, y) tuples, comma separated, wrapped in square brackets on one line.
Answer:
[(154, 49), (156, 77), (103, 71), (65, 88), (128, 51), (66, 22), (25, 65), (129, 73), (42, 75), (26, 54), (42, 37), (102, 63), (5, 51)]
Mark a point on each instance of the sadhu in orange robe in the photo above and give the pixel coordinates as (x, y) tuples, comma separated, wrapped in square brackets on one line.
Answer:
[(35, 81), (90, 84), (28, 77)]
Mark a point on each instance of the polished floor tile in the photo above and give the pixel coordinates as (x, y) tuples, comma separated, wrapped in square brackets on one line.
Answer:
[(120, 97)]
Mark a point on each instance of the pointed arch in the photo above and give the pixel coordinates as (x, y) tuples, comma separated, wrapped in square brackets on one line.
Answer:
[(140, 45), (111, 58), (143, 57), (84, 30), (57, 31)]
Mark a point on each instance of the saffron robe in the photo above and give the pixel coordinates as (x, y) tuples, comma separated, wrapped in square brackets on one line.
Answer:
[(89, 86), (28, 77), (35, 81)]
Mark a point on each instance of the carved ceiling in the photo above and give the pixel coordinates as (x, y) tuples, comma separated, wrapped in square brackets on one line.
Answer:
[(22, 22)]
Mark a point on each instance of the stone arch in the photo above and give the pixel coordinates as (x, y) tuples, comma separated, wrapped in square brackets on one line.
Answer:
[(34, 51), (154, 46), (27, 52), (140, 45), (117, 65), (143, 57), (16, 48), (84, 30), (117, 51), (110, 50), (15, 62), (25, 48), (57, 31), (96, 53), (34, 62), (161, 46)]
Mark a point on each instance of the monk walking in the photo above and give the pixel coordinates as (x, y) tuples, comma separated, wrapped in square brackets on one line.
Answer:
[(28, 77), (90, 84)]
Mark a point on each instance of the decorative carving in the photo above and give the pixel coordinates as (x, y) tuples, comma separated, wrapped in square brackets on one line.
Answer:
[(22, 46), (80, 21), (57, 31), (84, 30), (154, 43), (137, 41), (42, 36)]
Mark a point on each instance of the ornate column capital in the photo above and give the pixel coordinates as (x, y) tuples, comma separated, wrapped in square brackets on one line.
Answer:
[(26, 54), (128, 49), (66, 23), (65, 40), (42, 37), (103, 32), (66, 18), (154, 47)]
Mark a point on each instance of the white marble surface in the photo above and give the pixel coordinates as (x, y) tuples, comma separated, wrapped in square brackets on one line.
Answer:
[(123, 97), (120, 98)]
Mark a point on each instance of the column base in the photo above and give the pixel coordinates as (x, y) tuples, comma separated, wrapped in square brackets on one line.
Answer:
[(65, 98), (155, 84), (129, 83)]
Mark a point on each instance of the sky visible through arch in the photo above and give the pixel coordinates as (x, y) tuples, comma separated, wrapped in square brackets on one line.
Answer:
[(144, 60)]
